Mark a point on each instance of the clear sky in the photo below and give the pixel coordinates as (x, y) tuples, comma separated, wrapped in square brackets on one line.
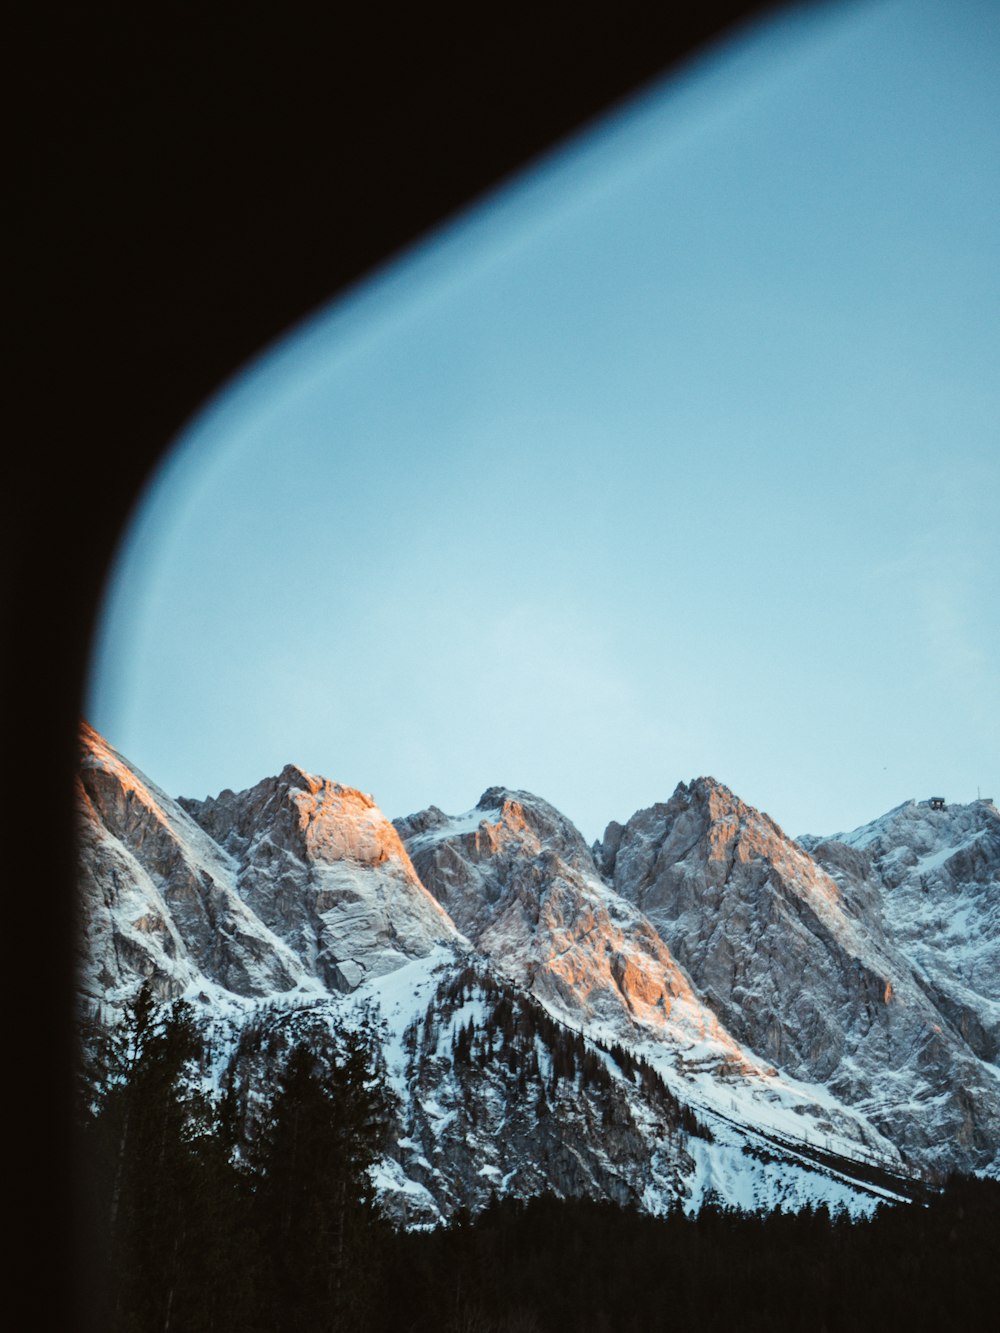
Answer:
[(678, 456)]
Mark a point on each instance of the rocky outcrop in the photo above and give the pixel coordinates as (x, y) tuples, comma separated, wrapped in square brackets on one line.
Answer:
[(935, 875), (497, 1097)]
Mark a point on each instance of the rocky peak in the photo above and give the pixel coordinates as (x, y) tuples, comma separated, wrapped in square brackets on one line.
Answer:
[(296, 881), (935, 874), (312, 818), (657, 822), (667, 854), (474, 862), (525, 819), (916, 836), (800, 955), (321, 866)]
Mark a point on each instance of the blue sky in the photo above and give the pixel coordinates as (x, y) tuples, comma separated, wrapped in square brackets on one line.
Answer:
[(678, 456)]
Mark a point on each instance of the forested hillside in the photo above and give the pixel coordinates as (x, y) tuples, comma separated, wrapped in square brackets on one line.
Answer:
[(223, 1214)]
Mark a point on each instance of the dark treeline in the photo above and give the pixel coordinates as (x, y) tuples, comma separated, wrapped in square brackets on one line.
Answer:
[(219, 1216), (550, 1265)]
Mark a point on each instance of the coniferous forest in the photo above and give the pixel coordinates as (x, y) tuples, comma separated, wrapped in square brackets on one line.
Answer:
[(207, 1219)]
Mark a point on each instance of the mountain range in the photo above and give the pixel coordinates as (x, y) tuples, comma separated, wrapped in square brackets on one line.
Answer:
[(696, 1007)]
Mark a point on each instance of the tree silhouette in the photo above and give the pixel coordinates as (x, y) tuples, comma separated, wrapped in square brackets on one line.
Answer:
[(315, 1201)]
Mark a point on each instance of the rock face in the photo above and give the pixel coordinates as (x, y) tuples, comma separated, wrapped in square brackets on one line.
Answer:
[(697, 1007), (813, 961), (496, 1096)]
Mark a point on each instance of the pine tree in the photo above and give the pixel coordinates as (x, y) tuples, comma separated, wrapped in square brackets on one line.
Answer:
[(315, 1201), (146, 1118)]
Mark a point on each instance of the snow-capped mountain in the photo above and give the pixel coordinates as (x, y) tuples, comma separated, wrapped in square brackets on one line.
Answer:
[(696, 1006), (810, 967)]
